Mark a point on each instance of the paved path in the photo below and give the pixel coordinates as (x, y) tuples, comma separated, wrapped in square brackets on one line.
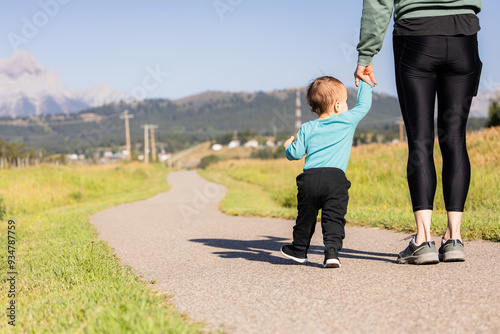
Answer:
[(228, 271)]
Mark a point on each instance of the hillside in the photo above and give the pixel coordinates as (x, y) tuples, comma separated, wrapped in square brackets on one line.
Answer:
[(182, 123)]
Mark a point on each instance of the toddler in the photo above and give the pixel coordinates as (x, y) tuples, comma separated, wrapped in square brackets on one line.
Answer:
[(326, 142)]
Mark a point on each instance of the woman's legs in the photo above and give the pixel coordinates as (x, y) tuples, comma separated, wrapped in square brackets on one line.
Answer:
[(423, 219), (454, 222), (450, 67), (416, 60), (458, 81)]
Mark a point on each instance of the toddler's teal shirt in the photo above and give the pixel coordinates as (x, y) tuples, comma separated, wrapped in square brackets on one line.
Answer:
[(328, 142)]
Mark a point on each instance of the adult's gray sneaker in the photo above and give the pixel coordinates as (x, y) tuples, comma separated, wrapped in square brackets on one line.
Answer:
[(424, 253), (452, 250)]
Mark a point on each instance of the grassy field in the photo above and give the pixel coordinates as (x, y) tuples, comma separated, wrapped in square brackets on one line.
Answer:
[(379, 195), (69, 281)]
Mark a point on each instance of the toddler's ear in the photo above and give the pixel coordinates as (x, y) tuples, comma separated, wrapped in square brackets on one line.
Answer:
[(336, 107)]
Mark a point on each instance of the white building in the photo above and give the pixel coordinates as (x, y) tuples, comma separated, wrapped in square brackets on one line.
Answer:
[(234, 143), (216, 147), (253, 143)]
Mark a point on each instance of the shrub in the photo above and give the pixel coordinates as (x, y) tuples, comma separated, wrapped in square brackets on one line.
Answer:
[(263, 153), (208, 160)]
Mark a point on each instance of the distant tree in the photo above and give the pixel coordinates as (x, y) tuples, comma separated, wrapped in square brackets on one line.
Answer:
[(494, 113), (208, 160), (246, 135), (224, 139), (389, 136)]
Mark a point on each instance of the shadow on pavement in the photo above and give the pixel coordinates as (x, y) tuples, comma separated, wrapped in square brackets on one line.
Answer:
[(262, 250), (363, 255)]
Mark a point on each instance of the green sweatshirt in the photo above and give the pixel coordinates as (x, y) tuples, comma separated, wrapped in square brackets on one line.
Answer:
[(377, 14)]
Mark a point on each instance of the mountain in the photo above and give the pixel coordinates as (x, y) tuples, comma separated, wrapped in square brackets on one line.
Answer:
[(28, 89)]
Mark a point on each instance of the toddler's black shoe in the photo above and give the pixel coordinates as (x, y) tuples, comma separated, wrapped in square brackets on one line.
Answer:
[(331, 258), (290, 252)]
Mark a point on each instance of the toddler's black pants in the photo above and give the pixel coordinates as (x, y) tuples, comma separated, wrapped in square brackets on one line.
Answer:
[(325, 189)]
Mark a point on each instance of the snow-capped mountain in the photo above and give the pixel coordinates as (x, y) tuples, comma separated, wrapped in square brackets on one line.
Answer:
[(28, 89)]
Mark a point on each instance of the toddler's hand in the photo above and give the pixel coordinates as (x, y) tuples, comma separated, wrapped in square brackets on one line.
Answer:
[(366, 74), (289, 141)]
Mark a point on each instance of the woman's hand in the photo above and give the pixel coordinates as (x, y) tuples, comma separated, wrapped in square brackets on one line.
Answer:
[(288, 142), (366, 74)]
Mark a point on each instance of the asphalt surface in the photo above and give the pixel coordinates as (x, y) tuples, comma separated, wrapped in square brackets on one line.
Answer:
[(228, 271)]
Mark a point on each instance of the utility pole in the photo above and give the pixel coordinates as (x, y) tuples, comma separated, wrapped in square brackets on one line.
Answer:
[(127, 116), (146, 143), (153, 142), (298, 112)]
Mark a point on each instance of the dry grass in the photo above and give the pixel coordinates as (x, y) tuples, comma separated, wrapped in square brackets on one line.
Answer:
[(379, 195)]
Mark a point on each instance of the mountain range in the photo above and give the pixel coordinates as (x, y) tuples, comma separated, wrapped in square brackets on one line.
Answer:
[(28, 89), (36, 109), (185, 122), (180, 122)]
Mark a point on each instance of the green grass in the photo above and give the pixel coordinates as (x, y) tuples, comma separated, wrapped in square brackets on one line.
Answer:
[(69, 281), (379, 195)]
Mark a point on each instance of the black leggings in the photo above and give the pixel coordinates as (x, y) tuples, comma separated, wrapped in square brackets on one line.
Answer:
[(448, 66)]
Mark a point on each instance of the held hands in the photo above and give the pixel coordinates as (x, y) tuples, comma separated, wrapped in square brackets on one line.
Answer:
[(288, 142), (366, 74)]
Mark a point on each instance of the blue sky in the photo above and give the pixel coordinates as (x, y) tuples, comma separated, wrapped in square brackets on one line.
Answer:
[(253, 45)]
